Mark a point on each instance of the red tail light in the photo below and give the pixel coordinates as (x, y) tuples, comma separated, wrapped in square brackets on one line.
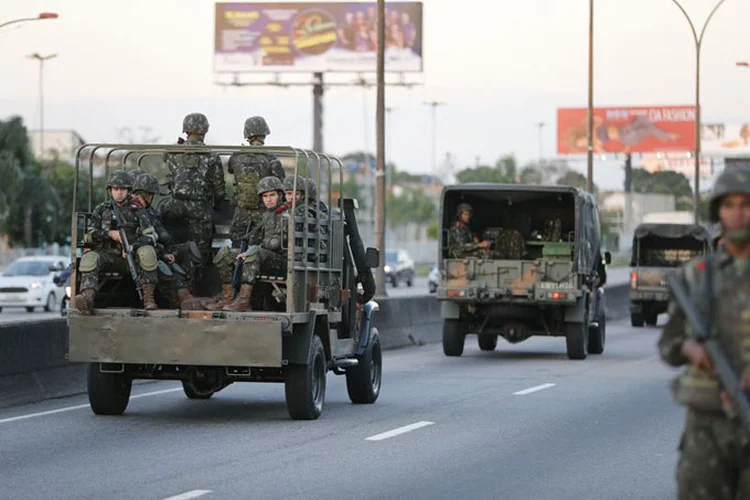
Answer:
[(633, 279)]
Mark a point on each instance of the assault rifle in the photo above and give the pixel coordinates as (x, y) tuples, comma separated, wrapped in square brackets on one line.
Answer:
[(127, 249)]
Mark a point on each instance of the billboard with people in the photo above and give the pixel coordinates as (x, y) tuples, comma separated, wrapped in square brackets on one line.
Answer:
[(315, 37)]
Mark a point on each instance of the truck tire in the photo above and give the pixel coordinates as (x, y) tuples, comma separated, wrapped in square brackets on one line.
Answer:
[(191, 393), (577, 339), (109, 393), (636, 319), (453, 337), (598, 336), (305, 386), (363, 381), (487, 342)]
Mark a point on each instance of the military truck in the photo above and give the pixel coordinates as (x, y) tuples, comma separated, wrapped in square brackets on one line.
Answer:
[(659, 249), (318, 317), (551, 285)]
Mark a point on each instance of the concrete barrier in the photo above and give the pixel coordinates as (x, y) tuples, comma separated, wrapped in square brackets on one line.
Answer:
[(33, 364)]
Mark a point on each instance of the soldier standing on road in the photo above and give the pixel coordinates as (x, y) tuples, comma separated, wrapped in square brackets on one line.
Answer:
[(714, 458), (197, 185), (461, 243), (107, 253)]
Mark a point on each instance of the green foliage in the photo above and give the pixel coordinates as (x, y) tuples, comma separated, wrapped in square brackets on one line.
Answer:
[(433, 230), (411, 206), (504, 171), (664, 182)]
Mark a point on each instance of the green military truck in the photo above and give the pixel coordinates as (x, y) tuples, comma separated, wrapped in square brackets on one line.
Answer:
[(317, 317), (551, 284), (659, 249)]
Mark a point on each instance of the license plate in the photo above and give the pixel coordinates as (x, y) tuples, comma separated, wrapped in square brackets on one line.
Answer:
[(13, 297)]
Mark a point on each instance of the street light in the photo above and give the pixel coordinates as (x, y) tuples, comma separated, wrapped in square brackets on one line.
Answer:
[(698, 39), (541, 153), (41, 60), (434, 105), (590, 132), (41, 16)]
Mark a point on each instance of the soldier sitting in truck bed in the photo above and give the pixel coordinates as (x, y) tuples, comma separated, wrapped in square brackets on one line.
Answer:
[(461, 243)]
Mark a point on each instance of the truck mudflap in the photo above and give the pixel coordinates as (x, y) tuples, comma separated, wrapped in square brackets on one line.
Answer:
[(180, 341)]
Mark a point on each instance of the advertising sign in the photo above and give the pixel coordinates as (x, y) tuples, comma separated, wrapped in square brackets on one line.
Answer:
[(725, 139), (315, 37), (627, 129)]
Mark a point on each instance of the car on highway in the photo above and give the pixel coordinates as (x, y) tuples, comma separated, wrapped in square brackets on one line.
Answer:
[(399, 267), (433, 278), (29, 282)]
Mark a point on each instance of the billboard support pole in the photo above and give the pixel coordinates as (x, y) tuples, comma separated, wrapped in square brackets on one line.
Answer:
[(698, 39), (318, 112), (380, 175), (590, 150)]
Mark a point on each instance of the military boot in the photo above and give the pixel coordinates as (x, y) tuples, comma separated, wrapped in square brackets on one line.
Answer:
[(227, 294), (148, 296), (187, 302), (84, 302), (242, 302)]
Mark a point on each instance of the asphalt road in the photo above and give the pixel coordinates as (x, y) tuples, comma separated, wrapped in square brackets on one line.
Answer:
[(518, 423)]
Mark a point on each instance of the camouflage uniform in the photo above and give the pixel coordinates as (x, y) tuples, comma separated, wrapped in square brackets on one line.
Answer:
[(196, 185), (507, 243), (265, 252), (248, 169), (106, 254), (460, 240), (715, 448)]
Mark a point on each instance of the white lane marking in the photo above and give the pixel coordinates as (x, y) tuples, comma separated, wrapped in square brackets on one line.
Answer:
[(534, 389), (398, 431), (190, 494), (78, 407)]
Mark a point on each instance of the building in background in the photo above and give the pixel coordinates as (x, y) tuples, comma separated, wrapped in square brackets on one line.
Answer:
[(61, 144)]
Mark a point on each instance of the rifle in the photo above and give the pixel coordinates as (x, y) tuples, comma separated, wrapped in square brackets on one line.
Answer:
[(128, 249), (724, 370), (238, 264)]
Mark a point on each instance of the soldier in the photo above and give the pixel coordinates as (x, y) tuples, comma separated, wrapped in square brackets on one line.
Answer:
[(264, 252), (172, 280), (461, 243), (106, 245), (303, 186), (196, 184), (248, 169), (715, 448)]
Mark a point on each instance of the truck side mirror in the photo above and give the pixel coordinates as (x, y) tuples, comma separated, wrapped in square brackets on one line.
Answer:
[(607, 258), (372, 257)]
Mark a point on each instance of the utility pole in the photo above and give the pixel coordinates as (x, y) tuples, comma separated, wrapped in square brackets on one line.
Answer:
[(380, 125), (541, 153), (41, 60), (590, 150), (388, 171), (434, 105), (318, 112)]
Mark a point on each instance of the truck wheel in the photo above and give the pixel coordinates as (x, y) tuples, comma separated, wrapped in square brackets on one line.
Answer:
[(453, 337), (652, 319), (191, 393), (109, 393), (577, 339), (487, 342), (636, 319), (305, 387), (363, 381), (598, 336)]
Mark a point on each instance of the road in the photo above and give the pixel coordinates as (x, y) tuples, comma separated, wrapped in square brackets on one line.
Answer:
[(15, 314), (522, 422)]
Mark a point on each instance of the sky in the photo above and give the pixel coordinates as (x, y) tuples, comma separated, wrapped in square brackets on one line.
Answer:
[(500, 67)]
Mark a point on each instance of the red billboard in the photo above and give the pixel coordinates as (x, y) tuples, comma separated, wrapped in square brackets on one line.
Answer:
[(627, 129)]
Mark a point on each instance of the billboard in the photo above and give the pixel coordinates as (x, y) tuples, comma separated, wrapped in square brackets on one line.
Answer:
[(725, 139), (678, 163), (315, 37), (627, 129)]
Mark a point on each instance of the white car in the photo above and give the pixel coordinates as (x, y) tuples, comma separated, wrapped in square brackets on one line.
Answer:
[(433, 278), (27, 282)]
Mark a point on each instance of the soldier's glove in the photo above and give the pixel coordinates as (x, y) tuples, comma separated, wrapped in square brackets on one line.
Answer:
[(251, 253)]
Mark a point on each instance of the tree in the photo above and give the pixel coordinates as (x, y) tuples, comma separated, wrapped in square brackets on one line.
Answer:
[(504, 171), (575, 179), (664, 182)]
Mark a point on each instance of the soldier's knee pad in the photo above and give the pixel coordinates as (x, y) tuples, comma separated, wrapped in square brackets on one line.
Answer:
[(147, 258), (89, 262)]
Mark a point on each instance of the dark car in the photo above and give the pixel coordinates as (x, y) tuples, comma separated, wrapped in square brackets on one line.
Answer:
[(399, 267)]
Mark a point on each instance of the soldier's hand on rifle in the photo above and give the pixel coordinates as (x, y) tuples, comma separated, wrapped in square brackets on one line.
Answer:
[(114, 235), (169, 258), (484, 244), (241, 256), (697, 355)]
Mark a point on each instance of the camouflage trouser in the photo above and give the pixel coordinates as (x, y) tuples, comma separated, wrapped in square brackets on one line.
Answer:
[(240, 220), (92, 266), (265, 262), (714, 459), (509, 243)]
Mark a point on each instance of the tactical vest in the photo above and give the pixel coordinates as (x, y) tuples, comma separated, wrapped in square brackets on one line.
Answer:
[(190, 176), (249, 169), (130, 225)]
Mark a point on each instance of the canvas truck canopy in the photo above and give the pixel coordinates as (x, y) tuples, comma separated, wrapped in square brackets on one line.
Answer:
[(668, 244)]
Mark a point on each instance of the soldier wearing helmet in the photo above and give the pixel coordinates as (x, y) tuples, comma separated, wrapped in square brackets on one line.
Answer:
[(264, 251), (719, 284), (248, 169), (197, 187), (461, 243), (106, 252), (177, 260)]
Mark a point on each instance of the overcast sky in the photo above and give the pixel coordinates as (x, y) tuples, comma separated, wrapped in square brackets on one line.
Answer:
[(500, 66)]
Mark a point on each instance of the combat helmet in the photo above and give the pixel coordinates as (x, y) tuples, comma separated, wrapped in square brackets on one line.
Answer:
[(270, 183), (463, 207), (120, 179), (256, 125), (289, 183), (195, 123), (733, 180), (147, 183)]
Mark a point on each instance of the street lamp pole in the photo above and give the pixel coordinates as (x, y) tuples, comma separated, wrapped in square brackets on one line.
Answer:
[(41, 60), (434, 105), (41, 16), (380, 139), (698, 39), (590, 149), (541, 125)]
